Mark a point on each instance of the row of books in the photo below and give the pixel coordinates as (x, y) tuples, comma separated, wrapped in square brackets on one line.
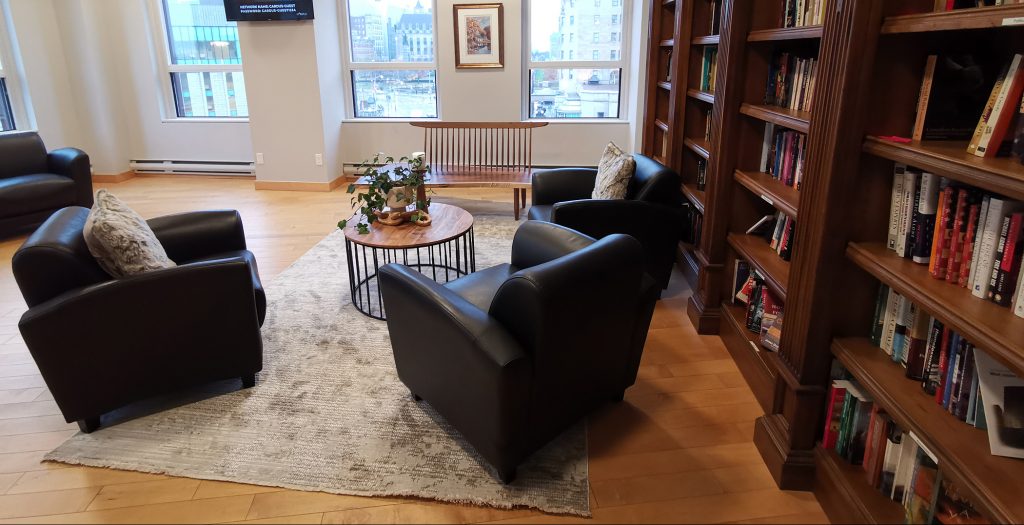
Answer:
[(968, 237), (798, 13), (709, 69), (763, 309), (937, 356), (702, 174), (783, 234), (696, 221), (707, 124), (791, 80), (715, 25), (782, 154), (949, 5), (894, 460)]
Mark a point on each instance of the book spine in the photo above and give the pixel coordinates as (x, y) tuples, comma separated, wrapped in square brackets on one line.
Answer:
[(978, 237), (1010, 264), (997, 261), (1002, 112), (907, 210), (919, 334), (878, 323), (963, 398), (940, 387), (979, 130), (989, 242), (835, 406), (969, 239), (915, 218), (926, 211), (931, 375), (897, 200), (889, 331), (944, 233), (941, 216), (922, 98), (951, 371), (956, 242)]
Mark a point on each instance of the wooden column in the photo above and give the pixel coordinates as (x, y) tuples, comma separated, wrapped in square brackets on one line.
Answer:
[(786, 437)]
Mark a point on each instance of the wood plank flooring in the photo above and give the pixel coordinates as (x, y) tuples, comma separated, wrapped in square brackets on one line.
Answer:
[(678, 450)]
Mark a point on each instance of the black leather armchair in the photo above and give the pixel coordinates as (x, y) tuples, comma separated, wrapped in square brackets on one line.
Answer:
[(34, 183), (103, 343), (651, 211), (514, 355)]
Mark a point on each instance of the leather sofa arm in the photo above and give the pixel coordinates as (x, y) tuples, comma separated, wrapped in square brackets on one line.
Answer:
[(74, 164), (562, 184), (192, 235), (454, 355), (122, 330), (538, 242), (643, 221)]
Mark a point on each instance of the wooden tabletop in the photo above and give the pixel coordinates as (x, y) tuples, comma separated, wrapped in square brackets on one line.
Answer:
[(448, 223)]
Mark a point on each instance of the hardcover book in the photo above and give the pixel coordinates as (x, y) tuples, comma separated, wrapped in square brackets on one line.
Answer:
[(954, 93)]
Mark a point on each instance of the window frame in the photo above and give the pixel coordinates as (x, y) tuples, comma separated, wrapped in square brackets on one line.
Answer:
[(11, 72), (622, 64), (349, 67), (165, 68)]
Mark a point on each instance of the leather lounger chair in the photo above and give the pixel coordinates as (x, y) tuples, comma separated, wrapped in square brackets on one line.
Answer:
[(514, 355)]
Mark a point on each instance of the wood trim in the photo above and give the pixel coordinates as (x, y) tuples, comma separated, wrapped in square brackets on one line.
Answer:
[(270, 185), (104, 178), (785, 33), (976, 18)]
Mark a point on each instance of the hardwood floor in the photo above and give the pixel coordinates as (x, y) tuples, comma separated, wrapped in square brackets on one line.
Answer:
[(677, 450)]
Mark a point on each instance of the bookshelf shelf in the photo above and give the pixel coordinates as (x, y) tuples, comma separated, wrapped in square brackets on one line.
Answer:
[(785, 198), (699, 146), (851, 492), (785, 33), (703, 96), (661, 125), (1003, 175), (761, 256), (989, 326), (745, 349), (707, 40), (992, 482), (667, 86), (787, 118), (976, 18), (667, 43), (695, 196)]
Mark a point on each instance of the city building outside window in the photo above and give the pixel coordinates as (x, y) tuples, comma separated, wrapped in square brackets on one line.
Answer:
[(6, 113), (392, 59), (204, 60), (588, 84)]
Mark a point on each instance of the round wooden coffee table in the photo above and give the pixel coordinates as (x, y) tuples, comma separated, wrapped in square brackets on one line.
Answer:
[(443, 251)]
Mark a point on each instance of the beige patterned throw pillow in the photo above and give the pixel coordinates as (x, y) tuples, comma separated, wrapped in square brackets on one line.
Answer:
[(120, 240), (613, 173)]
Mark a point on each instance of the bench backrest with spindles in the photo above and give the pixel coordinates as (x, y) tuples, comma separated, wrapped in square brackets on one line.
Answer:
[(461, 146)]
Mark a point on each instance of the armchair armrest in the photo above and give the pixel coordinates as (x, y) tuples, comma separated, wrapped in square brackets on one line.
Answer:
[(538, 242), (74, 164), (563, 184), (458, 358), (189, 236), (149, 333)]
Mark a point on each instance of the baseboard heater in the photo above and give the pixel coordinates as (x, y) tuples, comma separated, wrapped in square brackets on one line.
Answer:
[(190, 167)]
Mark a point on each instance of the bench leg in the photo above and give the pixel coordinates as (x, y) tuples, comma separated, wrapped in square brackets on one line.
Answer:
[(515, 202), (522, 191)]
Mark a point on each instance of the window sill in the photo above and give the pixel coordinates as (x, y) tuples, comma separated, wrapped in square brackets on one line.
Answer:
[(205, 120), (388, 120), (549, 121), (579, 120)]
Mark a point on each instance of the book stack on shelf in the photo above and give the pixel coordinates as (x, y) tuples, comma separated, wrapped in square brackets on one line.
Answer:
[(782, 155), (799, 13), (791, 81), (763, 309), (968, 237), (709, 68)]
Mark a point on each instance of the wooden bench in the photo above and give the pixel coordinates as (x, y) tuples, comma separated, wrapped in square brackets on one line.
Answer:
[(481, 155)]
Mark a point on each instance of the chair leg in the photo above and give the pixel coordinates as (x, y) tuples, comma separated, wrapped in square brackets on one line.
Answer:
[(248, 380), (89, 424)]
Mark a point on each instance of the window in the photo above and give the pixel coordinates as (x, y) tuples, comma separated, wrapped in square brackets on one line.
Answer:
[(587, 84), (615, 20), (204, 60), (6, 113), (392, 58)]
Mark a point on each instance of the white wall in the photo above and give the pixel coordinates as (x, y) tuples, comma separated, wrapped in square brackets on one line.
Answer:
[(90, 72)]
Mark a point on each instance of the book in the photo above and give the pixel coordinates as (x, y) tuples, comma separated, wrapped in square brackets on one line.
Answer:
[(918, 342), (907, 212), (904, 468), (997, 261), (1010, 262), (958, 235), (955, 353), (998, 209), (878, 322), (834, 408), (954, 91), (1018, 300), (963, 397), (930, 378), (978, 234), (897, 200), (1002, 400), (901, 340), (1018, 135), (941, 217), (927, 201), (944, 233), (892, 306), (986, 113), (1004, 109), (968, 249), (921, 491), (740, 278)]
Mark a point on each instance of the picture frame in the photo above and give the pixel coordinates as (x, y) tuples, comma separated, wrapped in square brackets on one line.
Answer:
[(479, 36)]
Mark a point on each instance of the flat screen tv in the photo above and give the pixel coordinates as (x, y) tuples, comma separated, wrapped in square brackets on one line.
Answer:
[(264, 10)]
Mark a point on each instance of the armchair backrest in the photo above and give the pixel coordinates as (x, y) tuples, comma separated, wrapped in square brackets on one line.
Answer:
[(21, 154), (55, 259), (574, 315), (654, 182)]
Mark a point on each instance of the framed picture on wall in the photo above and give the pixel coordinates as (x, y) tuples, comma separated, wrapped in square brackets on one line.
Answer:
[(479, 36)]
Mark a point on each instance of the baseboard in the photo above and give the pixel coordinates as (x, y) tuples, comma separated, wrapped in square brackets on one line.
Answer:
[(270, 185), (106, 178)]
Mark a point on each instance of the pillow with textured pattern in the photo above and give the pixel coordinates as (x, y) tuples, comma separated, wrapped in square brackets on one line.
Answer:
[(120, 240), (613, 173)]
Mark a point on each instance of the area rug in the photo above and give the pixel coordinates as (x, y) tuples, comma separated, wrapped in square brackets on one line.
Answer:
[(329, 413)]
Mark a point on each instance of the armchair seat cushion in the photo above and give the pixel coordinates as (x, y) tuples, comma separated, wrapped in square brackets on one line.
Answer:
[(250, 259), (480, 288), (541, 212), (25, 194)]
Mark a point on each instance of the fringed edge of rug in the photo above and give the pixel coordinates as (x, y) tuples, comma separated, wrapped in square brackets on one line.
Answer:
[(463, 500)]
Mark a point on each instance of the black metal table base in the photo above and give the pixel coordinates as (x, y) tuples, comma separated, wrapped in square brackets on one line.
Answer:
[(443, 262)]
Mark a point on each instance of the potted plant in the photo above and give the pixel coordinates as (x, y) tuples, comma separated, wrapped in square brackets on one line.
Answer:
[(389, 190)]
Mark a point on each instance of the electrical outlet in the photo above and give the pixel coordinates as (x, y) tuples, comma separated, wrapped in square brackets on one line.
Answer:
[(318, 159), (259, 158)]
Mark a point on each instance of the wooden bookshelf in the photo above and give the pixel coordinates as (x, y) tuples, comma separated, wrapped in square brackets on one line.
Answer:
[(784, 198), (745, 348), (703, 96), (986, 324), (785, 117), (980, 18), (992, 482), (762, 257), (699, 146), (706, 40), (695, 196), (785, 33)]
